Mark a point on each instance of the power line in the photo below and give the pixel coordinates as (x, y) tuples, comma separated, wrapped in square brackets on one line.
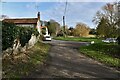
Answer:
[(65, 8), (60, 20), (37, 6)]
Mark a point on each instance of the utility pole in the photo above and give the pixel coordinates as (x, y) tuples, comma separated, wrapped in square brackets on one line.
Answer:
[(64, 32)]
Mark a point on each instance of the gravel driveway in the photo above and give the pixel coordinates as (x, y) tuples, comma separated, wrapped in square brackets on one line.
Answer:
[(66, 62)]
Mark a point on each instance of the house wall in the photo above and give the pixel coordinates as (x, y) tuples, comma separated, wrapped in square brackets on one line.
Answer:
[(26, 25)]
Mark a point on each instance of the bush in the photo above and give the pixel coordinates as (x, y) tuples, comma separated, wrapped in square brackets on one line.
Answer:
[(25, 34), (10, 32)]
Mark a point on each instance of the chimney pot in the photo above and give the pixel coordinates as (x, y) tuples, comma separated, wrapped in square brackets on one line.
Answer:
[(38, 15)]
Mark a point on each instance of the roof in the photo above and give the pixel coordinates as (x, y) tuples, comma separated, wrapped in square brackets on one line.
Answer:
[(22, 20)]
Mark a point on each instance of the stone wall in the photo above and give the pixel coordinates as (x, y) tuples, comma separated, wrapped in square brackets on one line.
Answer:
[(17, 49)]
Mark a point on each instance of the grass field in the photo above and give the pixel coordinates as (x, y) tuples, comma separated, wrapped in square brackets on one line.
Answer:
[(83, 39), (107, 53), (26, 62)]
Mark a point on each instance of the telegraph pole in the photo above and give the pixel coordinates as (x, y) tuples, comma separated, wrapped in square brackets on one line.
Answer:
[(64, 32)]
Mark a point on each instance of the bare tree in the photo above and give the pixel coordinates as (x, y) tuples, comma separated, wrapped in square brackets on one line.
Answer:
[(109, 12), (3, 16)]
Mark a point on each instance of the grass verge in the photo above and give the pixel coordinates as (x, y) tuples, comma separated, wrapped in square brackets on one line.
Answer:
[(24, 63), (105, 53), (83, 39)]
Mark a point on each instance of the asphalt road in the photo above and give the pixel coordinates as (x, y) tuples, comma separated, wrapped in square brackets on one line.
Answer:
[(66, 62), (70, 44), (0, 55)]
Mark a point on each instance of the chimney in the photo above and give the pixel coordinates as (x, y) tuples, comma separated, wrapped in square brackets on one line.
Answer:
[(38, 15)]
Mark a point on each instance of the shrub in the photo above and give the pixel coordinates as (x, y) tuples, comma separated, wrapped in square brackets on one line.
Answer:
[(25, 34), (10, 32)]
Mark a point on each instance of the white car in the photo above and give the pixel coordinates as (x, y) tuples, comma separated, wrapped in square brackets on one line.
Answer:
[(47, 38), (109, 40)]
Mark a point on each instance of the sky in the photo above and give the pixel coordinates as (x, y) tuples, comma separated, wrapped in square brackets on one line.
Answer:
[(75, 11)]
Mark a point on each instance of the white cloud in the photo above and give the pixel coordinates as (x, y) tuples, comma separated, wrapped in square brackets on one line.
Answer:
[(56, 12), (76, 12)]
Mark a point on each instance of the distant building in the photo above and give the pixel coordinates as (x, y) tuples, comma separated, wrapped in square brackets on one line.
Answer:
[(24, 22)]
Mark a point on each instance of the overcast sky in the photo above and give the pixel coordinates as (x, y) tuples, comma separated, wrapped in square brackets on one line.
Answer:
[(75, 11)]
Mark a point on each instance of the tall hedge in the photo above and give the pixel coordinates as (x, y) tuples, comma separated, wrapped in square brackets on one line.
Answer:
[(25, 34), (10, 32)]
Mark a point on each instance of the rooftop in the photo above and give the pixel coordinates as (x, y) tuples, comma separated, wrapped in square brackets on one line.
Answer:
[(22, 20)]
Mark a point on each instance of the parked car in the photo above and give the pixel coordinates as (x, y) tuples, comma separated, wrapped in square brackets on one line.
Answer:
[(109, 40), (47, 38)]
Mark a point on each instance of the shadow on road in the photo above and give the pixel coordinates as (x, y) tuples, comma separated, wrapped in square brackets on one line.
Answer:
[(66, 62)]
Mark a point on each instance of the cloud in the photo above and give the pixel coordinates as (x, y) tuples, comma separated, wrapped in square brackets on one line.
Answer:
[(55, 12), (31, 5), (76, 12)]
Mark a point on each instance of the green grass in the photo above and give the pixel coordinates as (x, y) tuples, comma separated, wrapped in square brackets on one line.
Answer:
[(105, 53), (83, 39), (23, 66), (108, 53)]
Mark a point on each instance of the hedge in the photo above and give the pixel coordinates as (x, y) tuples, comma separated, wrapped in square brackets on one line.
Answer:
[(10, 32)]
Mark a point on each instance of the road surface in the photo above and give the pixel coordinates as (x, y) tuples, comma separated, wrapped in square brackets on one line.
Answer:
[(66, 62)]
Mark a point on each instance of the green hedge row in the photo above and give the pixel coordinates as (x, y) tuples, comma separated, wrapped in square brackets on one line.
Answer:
[(10, 32)]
